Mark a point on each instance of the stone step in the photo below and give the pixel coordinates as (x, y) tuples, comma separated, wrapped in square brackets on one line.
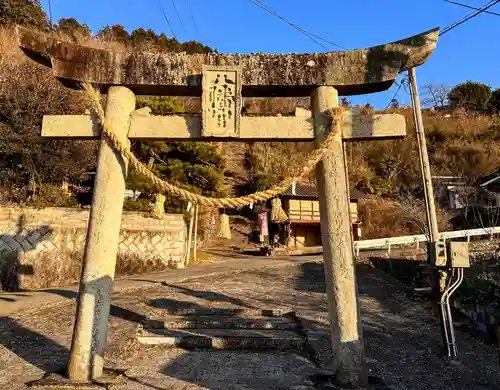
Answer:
[(241, 312), (224, 339), (221, 322)]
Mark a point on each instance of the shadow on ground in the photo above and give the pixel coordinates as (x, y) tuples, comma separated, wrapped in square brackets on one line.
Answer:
[(115, 310), (209, 295), (237, 370), (43, 352), (32, 346), (402, 339)]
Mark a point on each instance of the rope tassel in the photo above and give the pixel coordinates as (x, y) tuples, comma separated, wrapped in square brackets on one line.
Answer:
[(277, 212), (162, 186), (224, 230)]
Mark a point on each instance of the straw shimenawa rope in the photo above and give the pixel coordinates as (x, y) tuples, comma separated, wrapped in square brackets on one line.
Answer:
[(335, 115)]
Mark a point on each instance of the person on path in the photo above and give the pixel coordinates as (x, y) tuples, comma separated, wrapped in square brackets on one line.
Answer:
[(263, 224), (278, 218), (287, 232)]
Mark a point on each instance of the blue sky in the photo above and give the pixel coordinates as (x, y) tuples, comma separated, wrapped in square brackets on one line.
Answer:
[(469, 52)]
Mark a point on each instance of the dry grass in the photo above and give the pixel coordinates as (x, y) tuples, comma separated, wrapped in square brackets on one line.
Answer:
[(201, 258), (207, 223), (276, 106), (271, 162), (28, 91), (462, 144), (388, 217), (8, 45)]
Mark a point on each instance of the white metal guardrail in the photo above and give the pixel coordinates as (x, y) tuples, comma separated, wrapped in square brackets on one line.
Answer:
[(386, 243)]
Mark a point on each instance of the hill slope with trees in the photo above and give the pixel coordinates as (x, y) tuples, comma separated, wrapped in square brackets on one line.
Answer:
[(462, 128), (28, 91)]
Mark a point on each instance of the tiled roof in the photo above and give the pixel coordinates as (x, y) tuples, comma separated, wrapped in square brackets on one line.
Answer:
[(311, 191)]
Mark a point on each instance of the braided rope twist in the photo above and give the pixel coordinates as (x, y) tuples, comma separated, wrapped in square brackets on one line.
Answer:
[(162, 186)]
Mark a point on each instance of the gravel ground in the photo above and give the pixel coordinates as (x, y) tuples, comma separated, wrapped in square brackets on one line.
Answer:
[(402, 338)]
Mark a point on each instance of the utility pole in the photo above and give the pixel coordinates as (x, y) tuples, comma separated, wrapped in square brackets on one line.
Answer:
[(426, 168), (439, 275)]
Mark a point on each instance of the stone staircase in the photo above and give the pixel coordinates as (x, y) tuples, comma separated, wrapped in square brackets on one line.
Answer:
[(225, 329), (236, 171), (241, 229)]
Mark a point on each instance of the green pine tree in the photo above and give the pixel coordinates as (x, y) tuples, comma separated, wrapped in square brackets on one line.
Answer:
[(196, 166), (23, 12)]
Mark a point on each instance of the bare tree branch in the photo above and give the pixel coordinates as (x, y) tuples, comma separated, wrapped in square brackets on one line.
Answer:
[(436, 95)]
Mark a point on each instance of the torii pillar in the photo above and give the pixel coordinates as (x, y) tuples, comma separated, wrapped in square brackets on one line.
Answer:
[(322, 76)]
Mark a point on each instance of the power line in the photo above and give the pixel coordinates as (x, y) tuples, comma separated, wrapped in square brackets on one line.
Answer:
[(406, 88), (468, 17), (470, 7), (260, 4), (192, 17), (166, 18), (264, 7), (50, 13), (397, 92), (178, 16), (309, 35), (327, 41)]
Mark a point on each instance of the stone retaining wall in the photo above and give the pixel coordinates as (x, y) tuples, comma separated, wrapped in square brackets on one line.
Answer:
[(485, 245), (44, 248), (485, 319)]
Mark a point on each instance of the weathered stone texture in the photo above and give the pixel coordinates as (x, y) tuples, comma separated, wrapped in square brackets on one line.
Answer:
[(355, 127), (48, 244), (338, 256), (221, 102), (179, 74)]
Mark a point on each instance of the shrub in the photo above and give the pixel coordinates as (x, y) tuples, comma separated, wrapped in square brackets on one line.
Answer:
[(27, 92), (472, 96), (48, 195), (24, 12), (140, 205), (388, 217)]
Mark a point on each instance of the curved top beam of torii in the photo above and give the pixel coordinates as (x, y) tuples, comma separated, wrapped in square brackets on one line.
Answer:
[(353, 72)]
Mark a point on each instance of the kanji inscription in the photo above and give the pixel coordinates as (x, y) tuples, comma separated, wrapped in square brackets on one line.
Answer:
[(221, 99)]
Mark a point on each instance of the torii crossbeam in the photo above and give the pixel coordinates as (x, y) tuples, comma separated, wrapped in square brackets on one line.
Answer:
[(222, 81)]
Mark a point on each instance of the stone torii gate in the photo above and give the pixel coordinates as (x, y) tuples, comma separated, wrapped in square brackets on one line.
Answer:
[(223, 81)]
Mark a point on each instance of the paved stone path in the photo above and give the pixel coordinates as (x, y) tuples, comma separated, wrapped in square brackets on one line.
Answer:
[(402, 338), (12, 303)]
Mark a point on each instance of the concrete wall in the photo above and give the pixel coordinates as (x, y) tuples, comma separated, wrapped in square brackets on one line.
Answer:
[(44, 248)]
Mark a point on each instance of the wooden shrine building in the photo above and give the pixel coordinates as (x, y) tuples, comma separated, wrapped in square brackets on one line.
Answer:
[(301, 203)]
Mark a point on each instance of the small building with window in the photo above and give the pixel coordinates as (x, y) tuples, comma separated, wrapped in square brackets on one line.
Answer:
[(301, 203)]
